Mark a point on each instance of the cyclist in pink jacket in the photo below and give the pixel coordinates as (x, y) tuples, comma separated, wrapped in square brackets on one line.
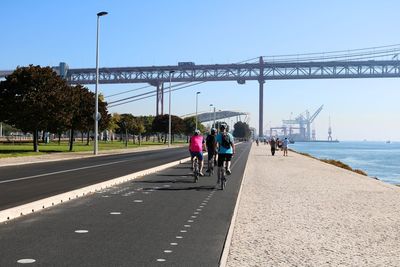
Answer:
[(196, 147)]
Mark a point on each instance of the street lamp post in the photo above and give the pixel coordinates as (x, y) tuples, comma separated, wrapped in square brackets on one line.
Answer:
[(169, 108), (214, 119), (211, 105), (96, 112), (197, 98)]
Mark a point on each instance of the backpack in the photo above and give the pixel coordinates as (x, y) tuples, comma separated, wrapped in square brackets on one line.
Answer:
[(226, 141)]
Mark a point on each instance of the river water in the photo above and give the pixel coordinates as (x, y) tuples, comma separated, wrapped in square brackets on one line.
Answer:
[(377, 159)]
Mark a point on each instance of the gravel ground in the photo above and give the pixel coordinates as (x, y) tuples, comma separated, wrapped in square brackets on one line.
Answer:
[(298, 211)]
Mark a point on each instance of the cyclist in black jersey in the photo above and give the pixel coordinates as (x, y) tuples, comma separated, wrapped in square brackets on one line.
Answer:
[(211, 143)]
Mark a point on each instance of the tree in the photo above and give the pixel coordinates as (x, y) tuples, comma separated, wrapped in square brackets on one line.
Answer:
[(79, 106), (190, 127), (113, 125), (87, 110), (148, 125), (105, 120), (242, 130), (139, 128), (161, 125), (127, 123), (31, 98)]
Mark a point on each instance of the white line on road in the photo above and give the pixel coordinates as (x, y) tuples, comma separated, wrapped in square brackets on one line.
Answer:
[(25, 261), (58, 172)]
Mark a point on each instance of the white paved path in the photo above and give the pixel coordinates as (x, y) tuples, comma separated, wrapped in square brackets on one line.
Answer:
[(298, 211)]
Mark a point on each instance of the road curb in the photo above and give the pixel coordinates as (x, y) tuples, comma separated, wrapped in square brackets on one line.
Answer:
[(224, 257), (39, 205)]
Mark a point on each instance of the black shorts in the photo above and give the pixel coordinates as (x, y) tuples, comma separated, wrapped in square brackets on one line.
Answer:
[(222, 158), (211, 153)]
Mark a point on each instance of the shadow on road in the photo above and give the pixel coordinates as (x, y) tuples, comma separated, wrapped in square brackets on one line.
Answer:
[(196, 188), (164, 181), (176, 175)]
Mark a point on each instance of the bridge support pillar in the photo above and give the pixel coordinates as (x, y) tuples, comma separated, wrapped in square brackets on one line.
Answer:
[(162, 99), (159, 98), (261, 82), (261, 108)]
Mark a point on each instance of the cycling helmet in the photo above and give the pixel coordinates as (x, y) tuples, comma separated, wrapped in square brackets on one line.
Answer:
[(213, 131), (197, 132)]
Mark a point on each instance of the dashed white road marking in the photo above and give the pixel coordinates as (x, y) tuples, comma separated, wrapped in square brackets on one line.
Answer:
[(183, 231), (161, 260), (179, 237), (115, 213), (173, 244), (190, 221), (195, 212), (138, 201), (193, 216), (187, 225), (167, 251), (25, 261), (81, 231)]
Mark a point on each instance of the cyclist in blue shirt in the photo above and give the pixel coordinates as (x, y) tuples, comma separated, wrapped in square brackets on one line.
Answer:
[(226, 149)]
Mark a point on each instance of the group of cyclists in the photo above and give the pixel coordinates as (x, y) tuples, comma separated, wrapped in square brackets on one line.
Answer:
[(220, 147)]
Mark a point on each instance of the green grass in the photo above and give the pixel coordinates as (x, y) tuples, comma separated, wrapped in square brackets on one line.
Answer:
[(26, 149)]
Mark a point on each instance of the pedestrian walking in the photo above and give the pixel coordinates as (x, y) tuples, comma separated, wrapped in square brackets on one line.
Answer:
[(272, 143), (285, 144)]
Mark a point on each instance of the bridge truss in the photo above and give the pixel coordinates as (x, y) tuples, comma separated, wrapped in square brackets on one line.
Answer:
[(238, 72), (359, 63)]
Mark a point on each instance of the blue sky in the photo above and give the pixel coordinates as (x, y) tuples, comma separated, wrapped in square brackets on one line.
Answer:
[(143, 33)]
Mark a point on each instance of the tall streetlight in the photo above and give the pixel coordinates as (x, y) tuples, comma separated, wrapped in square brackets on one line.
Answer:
[(211, 105), (96, 112), (169, 108), (214, 126), (197, 98)]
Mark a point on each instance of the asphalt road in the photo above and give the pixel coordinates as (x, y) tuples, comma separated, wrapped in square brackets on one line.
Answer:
[(27, 183), (160, 219)]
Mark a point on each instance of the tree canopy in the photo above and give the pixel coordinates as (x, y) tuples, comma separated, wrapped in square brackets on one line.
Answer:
[(36, 99), (241, 130), (32, 98)]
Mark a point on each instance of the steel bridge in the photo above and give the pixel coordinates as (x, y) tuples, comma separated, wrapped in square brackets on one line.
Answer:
[(260, 71)]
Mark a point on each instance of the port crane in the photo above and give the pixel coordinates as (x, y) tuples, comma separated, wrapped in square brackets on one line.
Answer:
[(303, 121)]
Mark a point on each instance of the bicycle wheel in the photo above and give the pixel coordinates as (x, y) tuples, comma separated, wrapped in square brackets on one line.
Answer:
[(196, 171), (223, 176)]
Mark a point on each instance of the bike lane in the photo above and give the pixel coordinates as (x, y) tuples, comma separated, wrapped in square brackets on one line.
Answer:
[(162, 218)]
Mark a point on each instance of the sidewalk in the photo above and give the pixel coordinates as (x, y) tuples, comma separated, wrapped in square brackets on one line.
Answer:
[(298, 211)]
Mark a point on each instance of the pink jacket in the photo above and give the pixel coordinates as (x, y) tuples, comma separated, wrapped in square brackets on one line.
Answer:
[(196, 143)]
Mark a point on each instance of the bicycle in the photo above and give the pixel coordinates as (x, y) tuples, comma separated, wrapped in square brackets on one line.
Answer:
[(222, 175), (211, 164), (196, 171)]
